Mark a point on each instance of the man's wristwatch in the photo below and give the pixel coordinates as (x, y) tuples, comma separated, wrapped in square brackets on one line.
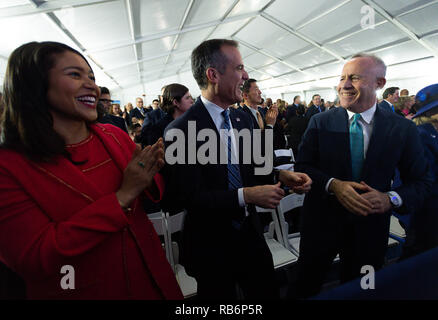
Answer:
[(394, 198)]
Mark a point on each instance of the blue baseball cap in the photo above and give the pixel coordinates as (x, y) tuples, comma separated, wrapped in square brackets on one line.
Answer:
[(426, 100)]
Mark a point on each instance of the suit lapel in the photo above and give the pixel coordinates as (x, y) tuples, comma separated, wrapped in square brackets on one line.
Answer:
[(202, 117), (204, 121), (341, 125), (249, 112), (236, 121), (376, 145)]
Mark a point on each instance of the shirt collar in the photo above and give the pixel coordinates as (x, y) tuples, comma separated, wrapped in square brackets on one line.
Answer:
[(253, 111), (389, 102), (367, 115), (213, 109)]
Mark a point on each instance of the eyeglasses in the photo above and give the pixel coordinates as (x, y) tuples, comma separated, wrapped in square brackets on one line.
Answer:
[(106, 100)]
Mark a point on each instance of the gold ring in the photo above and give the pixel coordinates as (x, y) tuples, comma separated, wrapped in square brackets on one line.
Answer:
[(141, 164)]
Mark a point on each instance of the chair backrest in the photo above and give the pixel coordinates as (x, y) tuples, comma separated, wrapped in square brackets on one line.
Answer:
[(290, 202), (274, 225), (176, 222), (286, 204), (287, 155), (158, 219), (159, 222)]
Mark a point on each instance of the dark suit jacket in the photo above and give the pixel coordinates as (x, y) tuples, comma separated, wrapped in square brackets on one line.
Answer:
[(262, 111), (291, 112), (150, 133), (137, 114), (211, 208), (422, 234), (295, 129), (325, 153), (385, 105), (313, 110), (115, 121), (255, 123)]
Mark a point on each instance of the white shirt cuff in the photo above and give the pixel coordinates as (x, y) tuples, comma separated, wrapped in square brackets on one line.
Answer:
[(241, 197), (242, 201), (328, 184)]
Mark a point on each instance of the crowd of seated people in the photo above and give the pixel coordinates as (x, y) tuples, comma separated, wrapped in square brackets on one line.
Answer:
[(96, 169)]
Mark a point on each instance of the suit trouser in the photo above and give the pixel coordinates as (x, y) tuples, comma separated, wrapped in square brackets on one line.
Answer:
[(359, 241), (249, 266)]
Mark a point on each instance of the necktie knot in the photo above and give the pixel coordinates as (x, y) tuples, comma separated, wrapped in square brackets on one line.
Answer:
[(356, 117)]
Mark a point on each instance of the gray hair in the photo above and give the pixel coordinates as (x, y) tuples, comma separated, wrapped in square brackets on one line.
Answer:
[(377, 61)]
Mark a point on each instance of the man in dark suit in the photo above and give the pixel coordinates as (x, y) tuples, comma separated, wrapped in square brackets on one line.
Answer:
[(262, 108), (138, 112), (351, 154), (105, 115), (291, 110), (251, 99), (316, 107), (390, 97), (223, 244)]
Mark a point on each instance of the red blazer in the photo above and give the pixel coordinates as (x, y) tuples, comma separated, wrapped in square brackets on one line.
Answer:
[(51, 216)]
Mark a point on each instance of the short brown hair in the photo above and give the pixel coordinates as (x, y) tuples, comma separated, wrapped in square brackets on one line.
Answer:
[(209, 54)]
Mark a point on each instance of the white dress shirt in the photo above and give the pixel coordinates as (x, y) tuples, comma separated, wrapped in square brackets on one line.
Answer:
[(254, 113), (216, 115)]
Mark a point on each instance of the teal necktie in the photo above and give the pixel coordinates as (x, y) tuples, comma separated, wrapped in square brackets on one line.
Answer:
[(356, 147)]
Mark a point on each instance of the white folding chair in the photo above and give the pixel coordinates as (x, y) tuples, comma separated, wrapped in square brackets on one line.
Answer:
[(396, 229), (280, 255), (159, 222), (290, 241), (288, 156), (285, 153), (187, 284)]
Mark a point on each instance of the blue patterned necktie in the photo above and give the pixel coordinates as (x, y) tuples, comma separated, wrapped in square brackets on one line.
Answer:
[(356, 147), (234, 179)]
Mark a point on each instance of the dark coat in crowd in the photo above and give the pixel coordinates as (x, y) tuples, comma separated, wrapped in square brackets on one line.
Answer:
[(422, 234)]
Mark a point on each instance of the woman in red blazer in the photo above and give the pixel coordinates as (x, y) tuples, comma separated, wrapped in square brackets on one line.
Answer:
[(71, 223)]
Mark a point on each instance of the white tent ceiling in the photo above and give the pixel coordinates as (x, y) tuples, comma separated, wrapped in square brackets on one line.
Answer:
[(288, 45)]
